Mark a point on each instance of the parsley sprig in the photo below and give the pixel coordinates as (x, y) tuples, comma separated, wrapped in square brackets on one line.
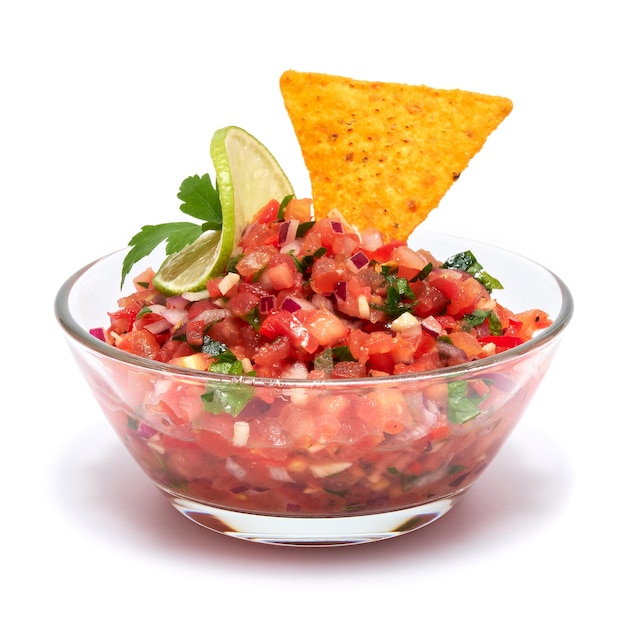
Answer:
[(200, 200)]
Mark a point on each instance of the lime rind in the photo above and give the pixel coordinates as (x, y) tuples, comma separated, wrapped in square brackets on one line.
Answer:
[(189, 269)]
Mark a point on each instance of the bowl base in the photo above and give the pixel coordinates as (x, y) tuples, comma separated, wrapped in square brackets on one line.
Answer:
[(312, 531)]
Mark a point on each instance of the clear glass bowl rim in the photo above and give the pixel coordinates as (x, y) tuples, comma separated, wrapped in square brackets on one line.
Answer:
[(559, 321)]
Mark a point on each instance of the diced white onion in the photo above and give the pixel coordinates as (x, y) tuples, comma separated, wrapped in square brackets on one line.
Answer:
[(228, 282), (328, 469), (241, 432)]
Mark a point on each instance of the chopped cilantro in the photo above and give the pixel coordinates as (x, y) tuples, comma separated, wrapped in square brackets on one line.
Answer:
[(303, 228), (477, 317), (304, 265), (423, 273), (283, 206), (342, 353), (232, 263), (212, 347), (144, 311), (400, 296), (228, 398), (466, 261), (254, 318), (462, 406)]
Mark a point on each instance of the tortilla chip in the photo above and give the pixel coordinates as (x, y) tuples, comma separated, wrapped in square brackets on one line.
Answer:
[(385, 154)]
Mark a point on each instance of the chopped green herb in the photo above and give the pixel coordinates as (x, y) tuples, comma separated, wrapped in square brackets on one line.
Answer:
[(232, 263), (144, 311), (477, 317), (132, 422), (231, 398), (283, 206), (423, 273), (254, 318), (304, 265), (303, 228), (466, 261), (342, 353), (400, 296), (226, 363), (324, 361), (407, 481), (212, 347), (462, 406)]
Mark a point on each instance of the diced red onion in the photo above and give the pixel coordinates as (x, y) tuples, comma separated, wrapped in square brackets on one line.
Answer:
[(341, 290), (175, 317), (157, 308), (180, 302), (359, 260), (287, 232), (451, 352), (145, 431), (208, 316), (337, 226), (291, 305), (159, 326), (432, 326), (98, 333), (267, 304)]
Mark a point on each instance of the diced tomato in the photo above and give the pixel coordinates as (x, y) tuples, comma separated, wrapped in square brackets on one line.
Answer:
[(194, 332), (502, 341), (384, 253), (325, 326), (348, 369), (139, 342), (298, 209), (122, 321), (275, 351), (466, 342), (173, 349), (269, 213), (283, 322), (279, 276), (429, 300)]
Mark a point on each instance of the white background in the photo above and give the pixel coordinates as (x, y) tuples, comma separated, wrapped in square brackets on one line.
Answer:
[(104, 109)]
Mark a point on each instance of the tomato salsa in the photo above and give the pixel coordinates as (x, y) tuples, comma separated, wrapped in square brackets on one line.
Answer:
[(305, 299), (319, 301)]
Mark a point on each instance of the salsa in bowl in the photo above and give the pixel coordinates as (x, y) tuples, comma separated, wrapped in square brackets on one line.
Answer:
[(260, 436)]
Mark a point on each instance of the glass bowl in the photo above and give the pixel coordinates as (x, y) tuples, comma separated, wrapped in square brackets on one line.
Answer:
[(315, 462)]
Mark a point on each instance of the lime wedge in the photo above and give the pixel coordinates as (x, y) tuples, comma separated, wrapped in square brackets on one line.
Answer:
[(248, 177)]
